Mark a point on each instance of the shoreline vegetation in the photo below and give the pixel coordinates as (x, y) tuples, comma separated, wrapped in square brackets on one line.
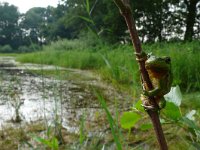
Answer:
[(117, 63)]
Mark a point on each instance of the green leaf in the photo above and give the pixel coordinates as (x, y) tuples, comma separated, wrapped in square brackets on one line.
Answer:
[(43, 141), (51, 143), (146, 126), (172, 111), (111, 121), (138, 106), (54, 144), (174, 96), (88, 6), (48, 131), (86, 19), (129, 119), (106, 61)]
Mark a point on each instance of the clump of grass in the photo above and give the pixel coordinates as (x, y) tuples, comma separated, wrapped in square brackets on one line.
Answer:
[(16, 138), (71, 59), (117, 63)]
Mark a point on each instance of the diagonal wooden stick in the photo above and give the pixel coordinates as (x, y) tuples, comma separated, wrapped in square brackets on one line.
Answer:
[(124, 7)]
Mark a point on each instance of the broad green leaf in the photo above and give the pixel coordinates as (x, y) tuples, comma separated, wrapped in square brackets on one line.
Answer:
[(146, 126), (138, 106), (129, 119), (174, 96), (172, 111)]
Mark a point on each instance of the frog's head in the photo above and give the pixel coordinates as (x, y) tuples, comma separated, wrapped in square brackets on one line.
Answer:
[(158, 64)]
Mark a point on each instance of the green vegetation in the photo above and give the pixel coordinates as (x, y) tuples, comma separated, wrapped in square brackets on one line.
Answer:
[(15, 138), (117, 63), (114, 127)]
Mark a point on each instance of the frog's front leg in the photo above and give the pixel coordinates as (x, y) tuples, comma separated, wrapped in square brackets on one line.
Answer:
[(153, 92), (146, 103), (141, 56), (156, 94)]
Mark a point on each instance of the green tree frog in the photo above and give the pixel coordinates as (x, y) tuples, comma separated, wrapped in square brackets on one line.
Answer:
[(160, 74)]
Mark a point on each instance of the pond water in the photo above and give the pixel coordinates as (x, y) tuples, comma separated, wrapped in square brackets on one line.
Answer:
[(39, 98)]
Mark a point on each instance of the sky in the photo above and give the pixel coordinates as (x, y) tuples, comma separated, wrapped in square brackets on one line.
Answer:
[(24, 5)]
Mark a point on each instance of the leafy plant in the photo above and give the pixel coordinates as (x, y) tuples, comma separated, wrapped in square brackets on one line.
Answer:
[(129, 119), (171, 115), (49, 143), (82, 136), (14, 92), (114, 128)]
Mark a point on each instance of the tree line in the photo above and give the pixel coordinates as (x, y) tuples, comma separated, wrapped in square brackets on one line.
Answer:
[(156, 20)]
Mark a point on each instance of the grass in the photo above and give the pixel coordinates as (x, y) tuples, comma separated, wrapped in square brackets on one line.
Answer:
[(114, 128), (14, 138), (117, 63)]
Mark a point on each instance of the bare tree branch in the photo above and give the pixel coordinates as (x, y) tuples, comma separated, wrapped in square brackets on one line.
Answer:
[(125, 9)]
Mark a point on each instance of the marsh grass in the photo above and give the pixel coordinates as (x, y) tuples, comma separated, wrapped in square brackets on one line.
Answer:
[(117, 63), (113, 124), (16, 138)]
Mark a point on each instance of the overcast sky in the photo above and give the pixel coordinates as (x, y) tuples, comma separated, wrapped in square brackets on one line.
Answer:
[(24, 5)]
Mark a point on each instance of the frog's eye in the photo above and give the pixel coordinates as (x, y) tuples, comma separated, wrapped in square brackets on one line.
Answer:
[(168, 60)]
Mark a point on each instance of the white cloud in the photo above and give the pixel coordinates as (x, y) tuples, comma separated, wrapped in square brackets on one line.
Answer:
[(25, 5)]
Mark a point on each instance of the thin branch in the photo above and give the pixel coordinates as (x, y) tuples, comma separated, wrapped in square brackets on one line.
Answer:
[(125, 9)]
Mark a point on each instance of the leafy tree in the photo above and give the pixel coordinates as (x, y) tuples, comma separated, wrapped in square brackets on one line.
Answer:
[(33, 24), (80, 16), (9, 29), (156, 19)]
